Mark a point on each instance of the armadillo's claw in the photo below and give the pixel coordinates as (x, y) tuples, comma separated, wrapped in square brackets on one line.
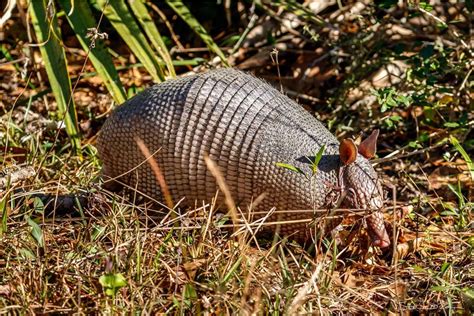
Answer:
[(376, 230)]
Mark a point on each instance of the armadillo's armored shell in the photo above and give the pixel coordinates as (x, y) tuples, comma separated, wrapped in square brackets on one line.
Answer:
[(243, 124)]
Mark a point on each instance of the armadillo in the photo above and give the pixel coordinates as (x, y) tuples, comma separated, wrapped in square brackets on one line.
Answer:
[(247, 128)]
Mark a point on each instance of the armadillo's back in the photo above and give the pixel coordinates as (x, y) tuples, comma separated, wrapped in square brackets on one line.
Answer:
[(245, 126)]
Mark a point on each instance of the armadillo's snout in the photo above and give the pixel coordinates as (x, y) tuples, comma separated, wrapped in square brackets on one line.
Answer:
[(365, 191), (377, 231)]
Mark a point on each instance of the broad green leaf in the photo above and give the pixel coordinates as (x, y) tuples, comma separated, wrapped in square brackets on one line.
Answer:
[(82, 21), (36, 231), (183, 11), (144, 18), (123, 21), (289, 167), (54, 58)]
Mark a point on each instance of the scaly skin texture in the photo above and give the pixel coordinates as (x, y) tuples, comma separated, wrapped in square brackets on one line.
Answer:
[(246, 127)]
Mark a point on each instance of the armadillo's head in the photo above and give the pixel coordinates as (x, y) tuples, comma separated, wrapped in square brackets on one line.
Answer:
[(362, 186)]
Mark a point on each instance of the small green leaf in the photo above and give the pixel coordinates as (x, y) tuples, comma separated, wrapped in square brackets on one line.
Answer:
[(449, 213), (419, 269), (440, 288), (36, 231), (391, 102), (424, 5), (424, 137), (444, 267), (405, 100), (389, 123), (111, 283), (289, 167), (464, 154), (451, 124), (414, 144), (317, 159), (38, 205), (331, 123)]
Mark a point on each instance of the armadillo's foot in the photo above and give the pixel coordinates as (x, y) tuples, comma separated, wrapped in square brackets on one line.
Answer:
[(376, 230)]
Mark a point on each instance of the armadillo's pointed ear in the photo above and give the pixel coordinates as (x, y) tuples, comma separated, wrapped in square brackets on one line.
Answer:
[(368, 146), (347, 151)]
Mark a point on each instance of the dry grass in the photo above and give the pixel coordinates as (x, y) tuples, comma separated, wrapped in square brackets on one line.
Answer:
[(197, 267)]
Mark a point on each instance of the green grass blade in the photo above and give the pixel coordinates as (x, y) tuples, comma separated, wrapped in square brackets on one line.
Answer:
[(54, 57), (301, 11), (464, 154), (289, 167), (179, 7), (317, 159), (4, 209), (141, 12), (81, 19), (122, 20)]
